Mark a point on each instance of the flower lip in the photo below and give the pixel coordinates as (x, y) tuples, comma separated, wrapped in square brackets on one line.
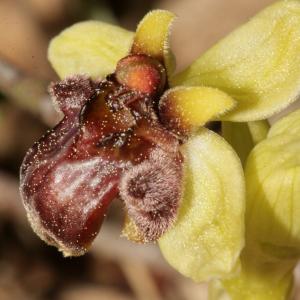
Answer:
[(114, 129)]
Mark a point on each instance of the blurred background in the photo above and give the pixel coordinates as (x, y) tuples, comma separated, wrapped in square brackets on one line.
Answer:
[(114, 269)]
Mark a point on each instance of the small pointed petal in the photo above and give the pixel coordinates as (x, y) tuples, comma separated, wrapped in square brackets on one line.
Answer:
[(152, 37), (184, 109), (91, 48), (258, 64), (206, 240)]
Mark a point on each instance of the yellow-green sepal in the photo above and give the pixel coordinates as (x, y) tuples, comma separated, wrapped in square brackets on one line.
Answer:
[(272, 221), (91, 48), (258, 64), (289, 124), (273, 195), (152, 37), (185, 109), (206, 240)]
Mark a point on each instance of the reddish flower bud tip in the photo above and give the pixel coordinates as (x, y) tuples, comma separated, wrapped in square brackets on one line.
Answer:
[(141, 73)]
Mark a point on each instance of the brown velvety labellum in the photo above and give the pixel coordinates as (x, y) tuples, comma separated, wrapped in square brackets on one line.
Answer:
[(71, 175), (141, 73), (67, 181)]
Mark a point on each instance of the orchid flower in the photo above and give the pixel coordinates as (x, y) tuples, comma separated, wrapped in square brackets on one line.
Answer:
[(133, 129)]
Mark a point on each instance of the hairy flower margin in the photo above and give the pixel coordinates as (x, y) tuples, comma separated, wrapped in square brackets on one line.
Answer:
[(244, 79)]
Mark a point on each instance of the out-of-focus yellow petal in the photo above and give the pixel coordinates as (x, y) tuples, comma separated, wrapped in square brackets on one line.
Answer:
[(91, 48), (185, 109), (258, 64), (273, 194), (288, 125), (152, 37), (206, 240)]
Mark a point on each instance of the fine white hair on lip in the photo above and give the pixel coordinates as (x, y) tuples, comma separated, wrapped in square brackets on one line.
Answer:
[(71, 93), (151, 192)]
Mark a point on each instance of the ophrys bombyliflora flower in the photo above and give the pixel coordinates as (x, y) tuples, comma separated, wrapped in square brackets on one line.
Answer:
[(135, 133)]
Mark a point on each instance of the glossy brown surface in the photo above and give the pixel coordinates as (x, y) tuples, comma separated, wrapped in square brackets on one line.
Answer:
[(69, 177)]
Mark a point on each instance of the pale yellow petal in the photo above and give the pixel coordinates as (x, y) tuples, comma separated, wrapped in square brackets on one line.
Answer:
[(208, 236), (258, 64), (273, 196), (91, 48), (152, 37), (185, 109), (272, 216)]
